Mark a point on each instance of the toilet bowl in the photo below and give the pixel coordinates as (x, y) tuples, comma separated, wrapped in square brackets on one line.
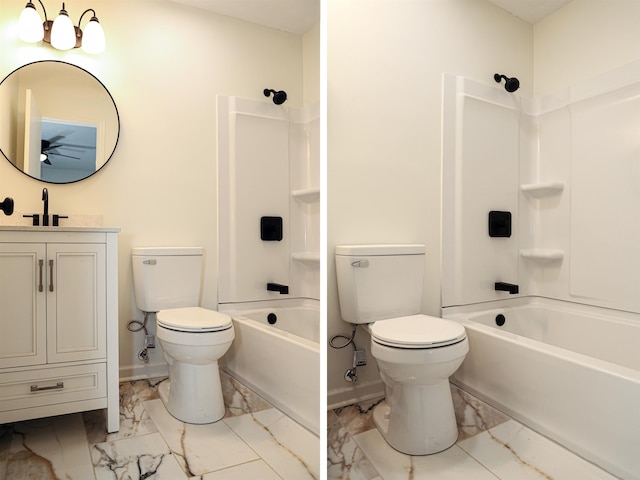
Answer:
[(380, 286), (417, 416), (193, 339), (167, 281)]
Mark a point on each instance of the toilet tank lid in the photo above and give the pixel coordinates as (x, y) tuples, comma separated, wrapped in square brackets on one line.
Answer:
[(166, 251), (381, 249)]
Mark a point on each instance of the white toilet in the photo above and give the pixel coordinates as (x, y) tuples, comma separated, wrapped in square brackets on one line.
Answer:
[(167, 281), (381, 286)]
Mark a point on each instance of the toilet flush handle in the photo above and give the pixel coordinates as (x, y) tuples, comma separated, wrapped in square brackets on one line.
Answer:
[(364, 263)]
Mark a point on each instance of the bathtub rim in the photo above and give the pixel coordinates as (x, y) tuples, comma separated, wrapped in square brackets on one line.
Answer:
[(459, 314), (617, 373), (310, 348), (237, 314)]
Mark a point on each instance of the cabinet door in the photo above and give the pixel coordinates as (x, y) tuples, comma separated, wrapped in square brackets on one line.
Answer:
[(76, 302), (22, 305)]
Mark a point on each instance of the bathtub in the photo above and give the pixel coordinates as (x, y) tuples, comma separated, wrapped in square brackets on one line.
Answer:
[(569, 371), (280, 360)]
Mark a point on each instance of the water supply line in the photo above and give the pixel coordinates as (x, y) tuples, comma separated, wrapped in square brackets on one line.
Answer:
[(359, 357), (149, 340)]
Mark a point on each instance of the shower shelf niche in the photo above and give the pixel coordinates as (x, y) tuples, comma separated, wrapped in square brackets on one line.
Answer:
[(543, 255), (543, 189), (307, 194)]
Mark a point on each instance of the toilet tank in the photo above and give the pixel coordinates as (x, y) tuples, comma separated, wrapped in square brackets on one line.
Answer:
[(166, 277), (377, 282)]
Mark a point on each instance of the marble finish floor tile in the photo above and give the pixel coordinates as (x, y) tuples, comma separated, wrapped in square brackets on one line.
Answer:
[(199, 449), (345, 458), (144, 457), (473, 416), (452, 464), (290, 449), (257, 470), (134, 419), (147, 389), (513, 452), (49, 449), (239, 399)]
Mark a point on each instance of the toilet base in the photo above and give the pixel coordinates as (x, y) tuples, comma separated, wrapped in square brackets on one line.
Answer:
[(193, 393), (418, 419)]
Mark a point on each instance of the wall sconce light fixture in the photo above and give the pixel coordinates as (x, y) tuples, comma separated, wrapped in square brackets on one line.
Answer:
[(61, 33)]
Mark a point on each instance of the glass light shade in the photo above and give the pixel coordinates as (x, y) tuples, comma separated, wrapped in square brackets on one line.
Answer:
[(63, 34), (93, 37), (30, 25)]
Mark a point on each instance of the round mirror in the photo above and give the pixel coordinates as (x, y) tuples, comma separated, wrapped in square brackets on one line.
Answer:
[(58, 123)]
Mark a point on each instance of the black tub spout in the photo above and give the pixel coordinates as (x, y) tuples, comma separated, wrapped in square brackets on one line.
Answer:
[(507, 287), (276, 287)]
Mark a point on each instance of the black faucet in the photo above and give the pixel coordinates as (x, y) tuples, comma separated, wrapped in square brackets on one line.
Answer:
[(45, 215), (276, 287), (507, 287)]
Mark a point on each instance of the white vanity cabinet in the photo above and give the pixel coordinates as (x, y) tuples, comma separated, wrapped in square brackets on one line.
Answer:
[(58, 322)]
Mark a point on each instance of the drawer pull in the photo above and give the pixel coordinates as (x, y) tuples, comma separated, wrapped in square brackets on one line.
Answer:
[(57, 386)]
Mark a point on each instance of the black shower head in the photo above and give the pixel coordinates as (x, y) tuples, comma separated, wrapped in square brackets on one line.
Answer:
[(510, 84), (278, 97)]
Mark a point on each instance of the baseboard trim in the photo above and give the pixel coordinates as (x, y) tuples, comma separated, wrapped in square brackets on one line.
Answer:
[(139, 372), (340, 397)]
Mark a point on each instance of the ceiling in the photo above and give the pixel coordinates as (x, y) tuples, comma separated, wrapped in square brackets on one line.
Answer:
[(77, 145), (295, 16), (531, 11), (298, 16)]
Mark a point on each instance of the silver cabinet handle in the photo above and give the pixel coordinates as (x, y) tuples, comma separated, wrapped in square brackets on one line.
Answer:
[(51, 275), (40, 264), (57, 386)]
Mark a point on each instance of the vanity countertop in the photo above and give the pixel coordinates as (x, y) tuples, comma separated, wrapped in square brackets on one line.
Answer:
[(29, 228)]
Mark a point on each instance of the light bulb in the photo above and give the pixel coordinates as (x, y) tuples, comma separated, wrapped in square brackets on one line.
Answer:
[(30, 25), (93, 40), (63, 33)]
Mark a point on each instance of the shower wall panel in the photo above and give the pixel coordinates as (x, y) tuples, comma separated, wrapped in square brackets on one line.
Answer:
[(575, 196), (268, 166), (253, 181), (480, 174)]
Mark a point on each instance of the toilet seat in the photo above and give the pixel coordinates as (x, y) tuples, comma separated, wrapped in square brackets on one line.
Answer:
[(193, 319), (417, 331)]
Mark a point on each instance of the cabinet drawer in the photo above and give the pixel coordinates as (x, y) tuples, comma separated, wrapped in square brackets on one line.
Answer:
[(50, 386)]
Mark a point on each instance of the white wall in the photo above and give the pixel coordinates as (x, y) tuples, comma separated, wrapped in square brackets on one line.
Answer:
[(164, 65), (583, 39), (385, 61)]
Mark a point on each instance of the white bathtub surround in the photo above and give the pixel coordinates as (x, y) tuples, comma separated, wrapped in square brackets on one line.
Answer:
[(495, 448), (566, 167), (551, 367), (268, 165), (280, 362)]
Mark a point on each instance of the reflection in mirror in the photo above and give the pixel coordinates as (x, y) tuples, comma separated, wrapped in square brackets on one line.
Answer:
[(58, 123)]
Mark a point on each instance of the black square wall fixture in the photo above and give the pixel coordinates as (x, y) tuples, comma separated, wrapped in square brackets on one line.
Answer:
[(499, 224), (271, 229)]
